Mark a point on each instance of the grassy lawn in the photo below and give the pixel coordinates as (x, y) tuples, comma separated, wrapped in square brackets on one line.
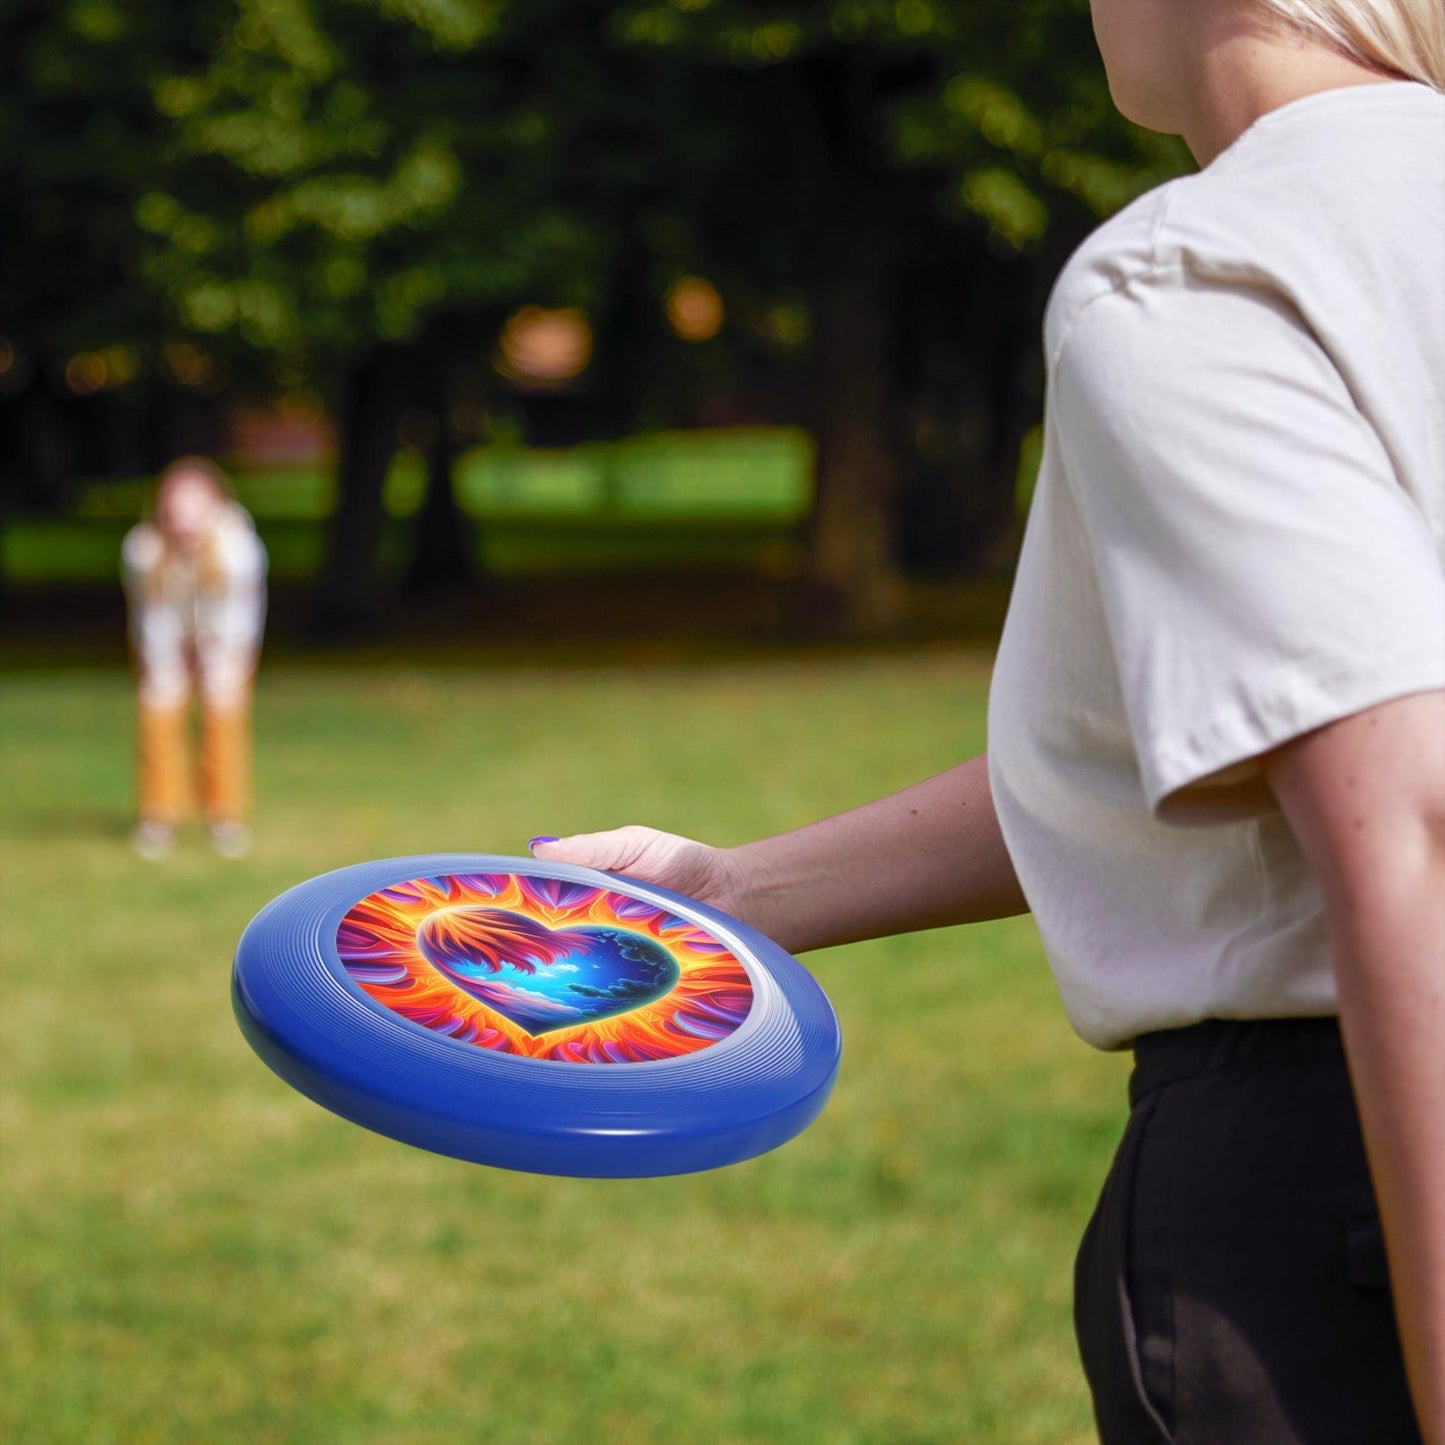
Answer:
[(679, 499), (192, 1252)]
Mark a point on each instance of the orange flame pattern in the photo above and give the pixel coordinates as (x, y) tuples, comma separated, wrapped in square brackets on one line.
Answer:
[(378, 945)]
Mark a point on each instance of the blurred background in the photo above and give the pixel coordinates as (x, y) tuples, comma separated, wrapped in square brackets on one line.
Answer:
[(639, 404)]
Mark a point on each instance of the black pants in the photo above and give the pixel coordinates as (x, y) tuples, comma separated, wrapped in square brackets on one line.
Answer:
[(1231, 1287)]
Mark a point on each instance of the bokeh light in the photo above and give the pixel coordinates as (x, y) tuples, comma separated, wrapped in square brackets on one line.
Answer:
[(187, 365), (544, 347), (89, 372), (695, 310)]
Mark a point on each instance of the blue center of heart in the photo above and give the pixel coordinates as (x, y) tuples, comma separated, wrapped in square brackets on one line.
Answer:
[(540, 979)]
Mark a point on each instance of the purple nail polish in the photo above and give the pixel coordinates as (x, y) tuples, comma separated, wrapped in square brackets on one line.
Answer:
[(532, 842)]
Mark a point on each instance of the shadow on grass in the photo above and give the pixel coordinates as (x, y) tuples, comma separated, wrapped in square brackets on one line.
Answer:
[(564, 621)]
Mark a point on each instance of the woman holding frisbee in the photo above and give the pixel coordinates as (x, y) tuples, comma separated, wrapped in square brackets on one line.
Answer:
[(1216, 771), (195, 582)]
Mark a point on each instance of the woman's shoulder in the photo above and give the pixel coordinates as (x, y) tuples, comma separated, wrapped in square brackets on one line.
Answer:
[(1318, 201), (142, 548), (1190, 230), (1112, 256), (238, 547)]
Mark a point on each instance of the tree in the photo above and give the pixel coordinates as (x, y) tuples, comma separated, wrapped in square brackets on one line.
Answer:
[(910, 141), (80, 141), (360, 190), (348, 184), (349, 196)]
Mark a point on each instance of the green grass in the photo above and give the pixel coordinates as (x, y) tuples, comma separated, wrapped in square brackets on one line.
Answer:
[(764, 473), (87, 551), (192, 1252), (669, 500)]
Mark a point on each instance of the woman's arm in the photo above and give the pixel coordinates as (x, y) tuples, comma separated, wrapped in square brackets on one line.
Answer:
[(926, 857), (1366, 799)]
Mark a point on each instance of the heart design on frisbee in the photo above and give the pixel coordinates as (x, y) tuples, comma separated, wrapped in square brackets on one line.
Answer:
[(541, 978), (544, 968)]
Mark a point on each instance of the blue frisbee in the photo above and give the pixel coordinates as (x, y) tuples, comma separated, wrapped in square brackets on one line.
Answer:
[(535, 1016)]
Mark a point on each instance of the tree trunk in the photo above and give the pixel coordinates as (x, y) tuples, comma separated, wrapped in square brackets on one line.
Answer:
[(442, 556), (41, 474), (348, 601), (851, 544), (852, 271), (973, 380)]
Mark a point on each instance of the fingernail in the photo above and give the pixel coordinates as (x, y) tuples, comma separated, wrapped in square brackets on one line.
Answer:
[(532, 842)]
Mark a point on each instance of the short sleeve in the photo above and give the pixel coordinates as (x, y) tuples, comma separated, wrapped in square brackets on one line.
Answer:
[(140, 555), (241, 552), (1261, 568)]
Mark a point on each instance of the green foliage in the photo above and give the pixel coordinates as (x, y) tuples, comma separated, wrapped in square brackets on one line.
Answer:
[(341, 171), (297, 179), (193, 1252), (78, 133), (1003, 104)]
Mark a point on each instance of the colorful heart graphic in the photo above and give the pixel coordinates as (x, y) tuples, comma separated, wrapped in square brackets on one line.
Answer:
[(542, 978)]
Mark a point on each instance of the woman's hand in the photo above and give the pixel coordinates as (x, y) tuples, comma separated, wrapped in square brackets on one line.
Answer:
[(708, 874)]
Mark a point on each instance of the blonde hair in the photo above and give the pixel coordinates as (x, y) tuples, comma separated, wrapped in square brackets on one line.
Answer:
[(210, 572), (1404, 37), (193, 466)]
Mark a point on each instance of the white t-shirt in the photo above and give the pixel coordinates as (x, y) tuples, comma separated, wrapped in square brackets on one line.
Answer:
[(1238, 535), (183, 622)]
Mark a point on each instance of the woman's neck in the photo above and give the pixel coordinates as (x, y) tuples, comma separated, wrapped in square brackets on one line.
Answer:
[(1246, 73)]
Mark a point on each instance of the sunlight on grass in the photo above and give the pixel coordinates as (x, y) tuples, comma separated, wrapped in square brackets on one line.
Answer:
[(193, 1252)]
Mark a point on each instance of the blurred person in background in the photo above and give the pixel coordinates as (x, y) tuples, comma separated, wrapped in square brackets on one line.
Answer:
[(195, 583), (1216, 764)]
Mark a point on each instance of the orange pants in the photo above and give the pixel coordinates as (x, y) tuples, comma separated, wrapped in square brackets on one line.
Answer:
[(164, 776)]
